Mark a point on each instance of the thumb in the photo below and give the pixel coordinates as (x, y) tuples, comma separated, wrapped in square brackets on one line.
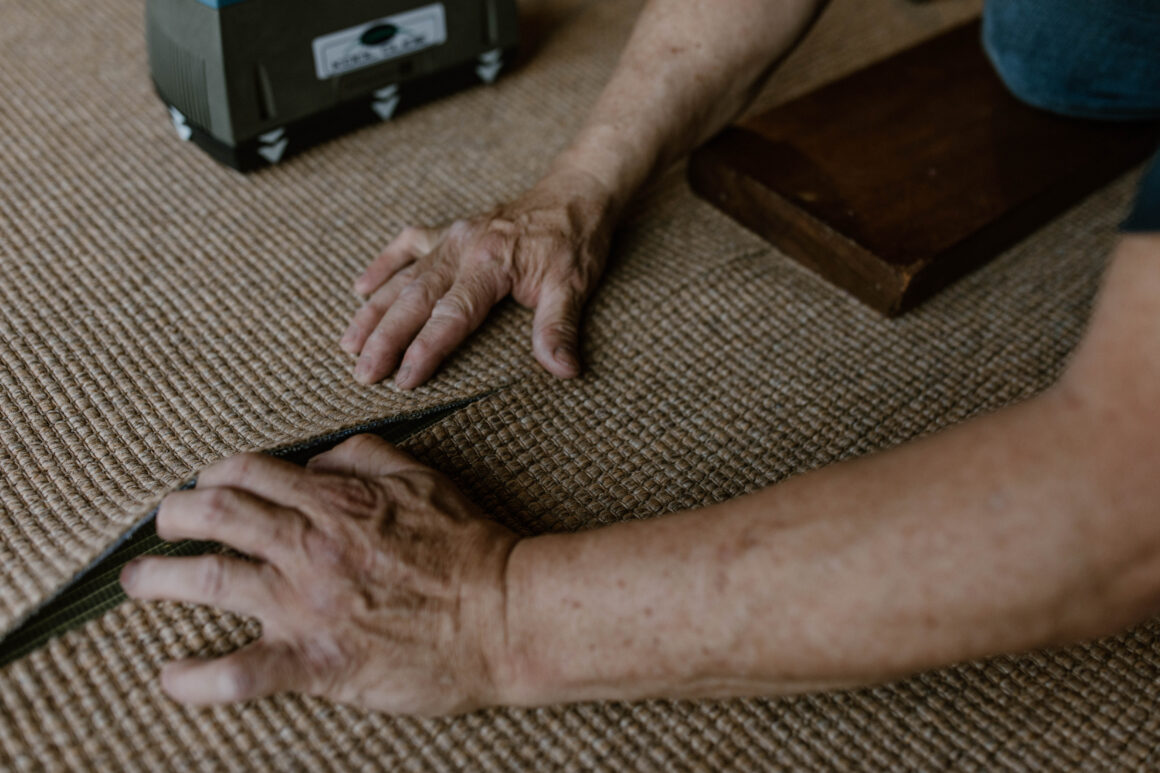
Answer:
[(556, 330)]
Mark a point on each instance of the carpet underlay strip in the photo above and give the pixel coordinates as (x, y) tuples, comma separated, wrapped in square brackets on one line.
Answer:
[(159, 313)]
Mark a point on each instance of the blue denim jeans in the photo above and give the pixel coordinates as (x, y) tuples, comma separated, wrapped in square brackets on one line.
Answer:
[(1097, 59)]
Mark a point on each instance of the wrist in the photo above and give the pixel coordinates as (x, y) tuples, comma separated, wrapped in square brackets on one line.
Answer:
[(520, 668), (584, 210), (597, 175), (479, 628)]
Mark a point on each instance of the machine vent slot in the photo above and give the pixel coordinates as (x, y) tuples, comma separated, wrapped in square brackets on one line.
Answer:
[(265, 91), (180, 76), (492, 38)]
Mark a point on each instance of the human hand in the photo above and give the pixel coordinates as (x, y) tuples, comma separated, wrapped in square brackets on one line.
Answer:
[(376, 582), (432, 287)]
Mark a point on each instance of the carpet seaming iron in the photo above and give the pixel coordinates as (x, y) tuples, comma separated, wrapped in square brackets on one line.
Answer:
[(254, 81)]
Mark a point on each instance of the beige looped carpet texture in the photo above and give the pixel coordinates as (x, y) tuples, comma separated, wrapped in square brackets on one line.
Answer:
[(158, 312)]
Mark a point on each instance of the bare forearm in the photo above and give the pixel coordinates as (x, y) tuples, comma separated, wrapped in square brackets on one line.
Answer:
[(690, 67), (1000, 535)]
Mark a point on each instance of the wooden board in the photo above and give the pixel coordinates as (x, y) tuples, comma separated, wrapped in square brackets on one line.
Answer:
[(902, 177)]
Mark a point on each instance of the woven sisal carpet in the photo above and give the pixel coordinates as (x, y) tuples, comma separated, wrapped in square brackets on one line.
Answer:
[(158, 312)]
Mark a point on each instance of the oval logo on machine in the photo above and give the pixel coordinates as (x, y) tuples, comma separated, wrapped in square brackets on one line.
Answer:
[(379, 34)]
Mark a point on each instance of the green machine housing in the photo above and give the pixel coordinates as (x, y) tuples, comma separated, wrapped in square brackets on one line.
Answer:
[(255, 81)]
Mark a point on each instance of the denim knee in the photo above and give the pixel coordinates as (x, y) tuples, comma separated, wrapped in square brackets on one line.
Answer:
[(1086, 58)]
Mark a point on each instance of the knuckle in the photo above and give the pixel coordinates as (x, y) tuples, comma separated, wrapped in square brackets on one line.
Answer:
[(577, 283), (504, 223), (454, 308), (491, 249), (460, 229), (559, 328), (381, 297), (369, 312), (426, 482), (421, 349), (236, 681), (493, 254), (211, 576), (363, 442), (571, 283), (413, 487), (215, 506), (419, 291), (145, 574), (240, 467), (350, 495)]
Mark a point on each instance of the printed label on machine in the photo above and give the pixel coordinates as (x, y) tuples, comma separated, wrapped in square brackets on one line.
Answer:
[(378, 41)]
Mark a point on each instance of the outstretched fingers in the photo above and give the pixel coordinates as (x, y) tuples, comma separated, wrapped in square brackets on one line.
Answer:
[(232, 517), (367, 318), (213, 580), (405, 318), (275, 480), (453, 318)]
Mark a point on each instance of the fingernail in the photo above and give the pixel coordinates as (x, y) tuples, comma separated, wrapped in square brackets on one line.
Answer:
[(362, 372), (403, 377), (347, 343), (565, 356)]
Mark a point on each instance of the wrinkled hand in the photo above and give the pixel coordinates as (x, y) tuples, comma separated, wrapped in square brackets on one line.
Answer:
[(376, 582), (432, 287)]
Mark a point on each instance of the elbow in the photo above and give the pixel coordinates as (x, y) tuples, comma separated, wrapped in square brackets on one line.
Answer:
[(1124, 595), (1112, 451), (1107, 403)]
